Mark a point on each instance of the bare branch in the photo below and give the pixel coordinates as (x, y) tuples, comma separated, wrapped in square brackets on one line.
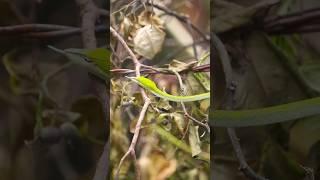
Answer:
[(201, 68), (89, 13), (225, 61), (131, 150), (244, 167), (24, 28)]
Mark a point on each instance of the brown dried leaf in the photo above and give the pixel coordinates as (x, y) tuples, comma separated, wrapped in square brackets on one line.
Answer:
[(146, 18), (194, 140), (148, 41)]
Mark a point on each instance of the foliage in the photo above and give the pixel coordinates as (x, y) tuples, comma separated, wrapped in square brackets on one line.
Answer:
[(172, 144)]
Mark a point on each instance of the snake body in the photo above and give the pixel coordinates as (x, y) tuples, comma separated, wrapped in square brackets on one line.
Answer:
[(152, 87), (218, 118), (242, 118), (265, 116)]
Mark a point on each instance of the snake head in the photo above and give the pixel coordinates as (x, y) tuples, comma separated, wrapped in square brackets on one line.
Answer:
[(144, 82)]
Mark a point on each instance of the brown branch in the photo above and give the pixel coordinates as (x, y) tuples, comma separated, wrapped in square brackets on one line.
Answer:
[(230, 88), (89, 14), (61, 33), (52, 34), (44, 30), (299, 22), (205, 125), (244, 167), (24, 28), (131, 150), (33, 28), (306, 21), (297, 16), (201, 68), (300, 30), (295, 20), (183, 90), (124, 44)]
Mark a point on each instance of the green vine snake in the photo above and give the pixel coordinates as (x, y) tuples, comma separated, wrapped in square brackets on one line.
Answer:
[(152, 87), (218, 118), (241, 118)]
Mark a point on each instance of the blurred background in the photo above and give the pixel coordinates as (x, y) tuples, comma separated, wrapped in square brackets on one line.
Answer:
[(274, 52), (53, 115), (170, 144)]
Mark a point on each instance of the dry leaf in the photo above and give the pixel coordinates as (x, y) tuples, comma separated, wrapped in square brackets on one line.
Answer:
[(194, 140), (147, 17), (148, 41)]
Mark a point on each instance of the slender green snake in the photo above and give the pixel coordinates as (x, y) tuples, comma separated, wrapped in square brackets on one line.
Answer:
[(242, 118), (152, 87), (268, 115), (218, 118)]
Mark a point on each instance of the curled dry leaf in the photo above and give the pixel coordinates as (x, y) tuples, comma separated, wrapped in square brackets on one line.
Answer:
[(147, 17), (194, 140), (126, 26), (148, 41)]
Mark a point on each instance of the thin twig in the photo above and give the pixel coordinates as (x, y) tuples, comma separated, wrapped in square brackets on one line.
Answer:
[(147, 102), (294, 18), (183, 89), (124, 44), (306, 21), (201, 68), (89, 14), (205, 125), (226, 66), (244, 167), (32, 28), (44, 30), (51, 34)]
